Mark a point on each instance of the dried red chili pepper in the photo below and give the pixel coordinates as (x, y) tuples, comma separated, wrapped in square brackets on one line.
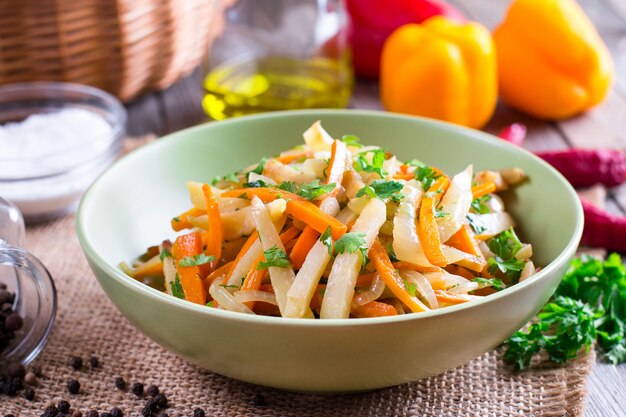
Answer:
[(514, 133), (603, 229), (586, 167)]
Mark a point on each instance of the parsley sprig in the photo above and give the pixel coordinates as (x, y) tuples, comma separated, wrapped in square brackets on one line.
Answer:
[(479, 204), (276, 257), (426, 175), (196, 260), (376, 166), (177, 288), (383, 189), (504, 246), (589, 305), (310, 191)]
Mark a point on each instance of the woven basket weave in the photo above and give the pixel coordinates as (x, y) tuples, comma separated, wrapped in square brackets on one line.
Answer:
[(126, 47)]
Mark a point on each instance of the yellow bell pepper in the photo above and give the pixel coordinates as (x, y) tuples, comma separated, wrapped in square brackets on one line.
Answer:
[(552, 63), (440, 69)]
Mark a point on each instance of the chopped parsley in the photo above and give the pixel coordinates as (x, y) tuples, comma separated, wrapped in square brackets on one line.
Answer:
[(210, 304), (410, 288), (230, 177), (176, 219), (415, 163), (314, 189), (351, 140), (494, 283), (352, 242), (196, 260), (165, 254), (504, 246), (376, 166), (289, 186), (382, 189), (479, 206), (259, 168), (276, 257), (327, 239), (177, 288), (255, 184), (476, 224), (426, 175)]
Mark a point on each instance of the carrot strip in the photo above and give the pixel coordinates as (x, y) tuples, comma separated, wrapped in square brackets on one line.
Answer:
[(464, 241), (483, 189), (316, 300), (289, 234), (266, 309), (246, 246), (403, 176), (374, 309), (414, 267), (365, 280), (379, 258), (265, 194), (152, 267), (303, 245), (427, 230), (215, 234), (189, 276), (290, 157), (216, 274), (460, 271), (182, 222), (312, 215), (337, 164), (254, 279), (451, 298)]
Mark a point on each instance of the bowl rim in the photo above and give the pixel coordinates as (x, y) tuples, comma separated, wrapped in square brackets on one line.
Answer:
[(121, 278)]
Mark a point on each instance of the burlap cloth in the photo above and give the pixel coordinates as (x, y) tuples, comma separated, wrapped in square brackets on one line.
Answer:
[(88, 323)]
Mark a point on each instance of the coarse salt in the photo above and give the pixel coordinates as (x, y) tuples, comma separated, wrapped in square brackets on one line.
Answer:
[(48, 160)]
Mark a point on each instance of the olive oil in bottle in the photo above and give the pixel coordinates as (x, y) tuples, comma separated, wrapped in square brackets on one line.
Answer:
[(250, 85)]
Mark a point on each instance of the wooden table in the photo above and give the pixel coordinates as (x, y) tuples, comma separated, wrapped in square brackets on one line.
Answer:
[(605, 126)]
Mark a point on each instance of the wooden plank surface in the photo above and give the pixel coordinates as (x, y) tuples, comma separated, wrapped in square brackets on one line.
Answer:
[(605, 126)]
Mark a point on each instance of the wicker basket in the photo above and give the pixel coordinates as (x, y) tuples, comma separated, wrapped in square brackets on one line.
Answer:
[(126, 47)]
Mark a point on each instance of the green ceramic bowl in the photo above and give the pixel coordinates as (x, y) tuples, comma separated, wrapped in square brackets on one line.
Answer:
[(129, 208)]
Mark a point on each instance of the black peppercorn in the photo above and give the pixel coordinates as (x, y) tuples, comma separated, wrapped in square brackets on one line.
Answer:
[(120, 383), (153, 390), (51, 411), (76, 362), (93, 362), (73, 386), (63, 406), (161, 400), (116, 412), (105, 415), (137, 389), (9, 415), (76, 413), (13, 322), (91, 413), (199, 412), (29, 394)]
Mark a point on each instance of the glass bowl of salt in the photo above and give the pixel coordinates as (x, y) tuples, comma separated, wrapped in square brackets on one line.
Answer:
[(56, 138)]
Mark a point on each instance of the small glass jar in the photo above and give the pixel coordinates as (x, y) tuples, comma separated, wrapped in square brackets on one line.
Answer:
[(45, 180), (35, 295), (279, 55)]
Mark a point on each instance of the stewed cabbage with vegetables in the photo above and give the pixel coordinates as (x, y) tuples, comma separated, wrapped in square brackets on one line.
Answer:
[(336, 229)]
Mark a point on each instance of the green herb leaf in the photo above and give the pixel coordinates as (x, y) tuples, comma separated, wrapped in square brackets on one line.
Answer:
[(504, 246), (376, 166), (210, 304), (165, 254), (255, 184), (475, 223), (410, 288), (564, 327), (177, 288), (479, 206), (259, 168), (327, 239), (382, 189), (350, 242), (426, 175), (289, 186), (274, 256), (196, 260), (415, 163), (351, 140), (314, 189), (494, 283)]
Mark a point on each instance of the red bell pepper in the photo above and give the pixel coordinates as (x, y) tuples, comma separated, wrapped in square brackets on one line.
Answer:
[(374, 20)]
